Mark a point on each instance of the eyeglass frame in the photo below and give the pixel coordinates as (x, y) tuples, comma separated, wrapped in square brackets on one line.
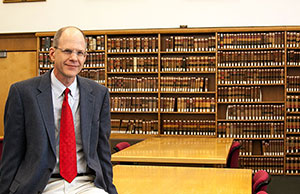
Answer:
[(70, 51)]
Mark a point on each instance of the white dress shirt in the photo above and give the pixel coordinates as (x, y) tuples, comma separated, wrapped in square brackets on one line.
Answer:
[(73, 98)]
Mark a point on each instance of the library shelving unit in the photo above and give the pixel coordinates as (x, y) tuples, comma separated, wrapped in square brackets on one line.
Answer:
[(187, 84), (251, 68), (292, 103), (241, 83), (132, 78)]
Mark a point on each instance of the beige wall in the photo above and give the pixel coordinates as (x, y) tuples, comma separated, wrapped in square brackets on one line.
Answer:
[(127, 14)]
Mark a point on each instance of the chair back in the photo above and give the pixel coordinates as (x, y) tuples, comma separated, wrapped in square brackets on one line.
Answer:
[(233, 156), (257, 175), (122, 145), (260, 181), (262, 192)]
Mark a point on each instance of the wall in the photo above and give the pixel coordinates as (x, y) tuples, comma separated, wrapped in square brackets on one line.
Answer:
[(134, 14)]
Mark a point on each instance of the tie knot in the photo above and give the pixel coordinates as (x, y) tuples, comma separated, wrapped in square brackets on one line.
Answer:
[(67, 90)]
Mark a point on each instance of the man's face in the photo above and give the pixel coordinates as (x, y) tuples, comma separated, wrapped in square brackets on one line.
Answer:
[(69, 56)]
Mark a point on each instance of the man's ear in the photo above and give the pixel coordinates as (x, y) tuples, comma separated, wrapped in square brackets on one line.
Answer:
[(52, 54)]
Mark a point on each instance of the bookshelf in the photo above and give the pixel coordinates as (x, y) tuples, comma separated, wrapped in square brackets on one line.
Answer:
[(251, 69), (292, 107), (239, 82)]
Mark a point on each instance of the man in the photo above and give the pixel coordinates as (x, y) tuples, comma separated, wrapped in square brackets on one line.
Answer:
[(34, 153)]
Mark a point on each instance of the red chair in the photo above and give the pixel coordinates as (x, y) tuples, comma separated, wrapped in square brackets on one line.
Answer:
[(233, 156), (120, 146), (260, 181), (262, 192)]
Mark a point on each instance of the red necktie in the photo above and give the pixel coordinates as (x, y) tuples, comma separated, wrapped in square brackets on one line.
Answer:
[(67, 142)]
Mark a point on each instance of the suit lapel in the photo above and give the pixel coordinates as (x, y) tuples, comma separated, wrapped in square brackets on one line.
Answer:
[(46, 106), (87, 100)]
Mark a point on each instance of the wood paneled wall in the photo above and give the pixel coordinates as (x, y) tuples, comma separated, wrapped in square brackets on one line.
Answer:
[(19, 64)]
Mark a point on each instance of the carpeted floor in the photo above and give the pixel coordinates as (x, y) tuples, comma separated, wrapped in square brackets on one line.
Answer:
[(284, 185)]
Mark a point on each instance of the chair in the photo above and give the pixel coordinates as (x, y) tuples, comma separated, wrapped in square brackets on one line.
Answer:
[(233, 156), (120, 146), (260, 181), (262, 192)]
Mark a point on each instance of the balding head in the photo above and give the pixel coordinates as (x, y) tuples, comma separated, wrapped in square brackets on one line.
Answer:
[(59, 33)]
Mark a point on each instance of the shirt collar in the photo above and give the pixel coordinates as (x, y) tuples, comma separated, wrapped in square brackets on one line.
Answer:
[(59, 88)]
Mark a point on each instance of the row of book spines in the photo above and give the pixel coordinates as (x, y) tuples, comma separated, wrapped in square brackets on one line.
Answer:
[(132, 44), (293, 143), (187, 104), (189, 132), (251, 40), (154, 69), (268, 148), (251, 57), (293, 57), (95, 43), (293, 83), (188, 124), (46, 43), (251, 130), (44, 60), (246, 127), (254, 112), (184, 84), (292, 103), (147, 104), (271, 78), (293, 39), (292, 165), (292, 63), (149, 84), (135, 64), (49, 65), (98, 42), (189, 43), (188, 62), (239, 94), (293, 123), (271, 165), (251, 64), (92, 60), (94, 74), (95, 60), (134, 126), (250, 76)]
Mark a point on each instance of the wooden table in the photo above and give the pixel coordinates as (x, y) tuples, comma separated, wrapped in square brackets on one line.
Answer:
[(138, 179), (184, 150)]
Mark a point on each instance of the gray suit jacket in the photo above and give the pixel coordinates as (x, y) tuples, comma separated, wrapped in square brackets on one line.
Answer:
[(29, 154)]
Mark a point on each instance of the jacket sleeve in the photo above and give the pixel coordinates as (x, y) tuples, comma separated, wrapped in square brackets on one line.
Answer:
[(103, 146), (14, 143)]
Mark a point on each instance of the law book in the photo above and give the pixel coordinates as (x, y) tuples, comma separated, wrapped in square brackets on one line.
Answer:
[(124, 126), (115, 125), (48, 41)]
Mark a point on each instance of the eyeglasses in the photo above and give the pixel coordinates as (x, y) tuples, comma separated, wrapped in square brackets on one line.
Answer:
[(69, 52)]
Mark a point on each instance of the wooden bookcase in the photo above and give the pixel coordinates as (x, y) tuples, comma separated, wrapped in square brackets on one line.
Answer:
[(214, 82)]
